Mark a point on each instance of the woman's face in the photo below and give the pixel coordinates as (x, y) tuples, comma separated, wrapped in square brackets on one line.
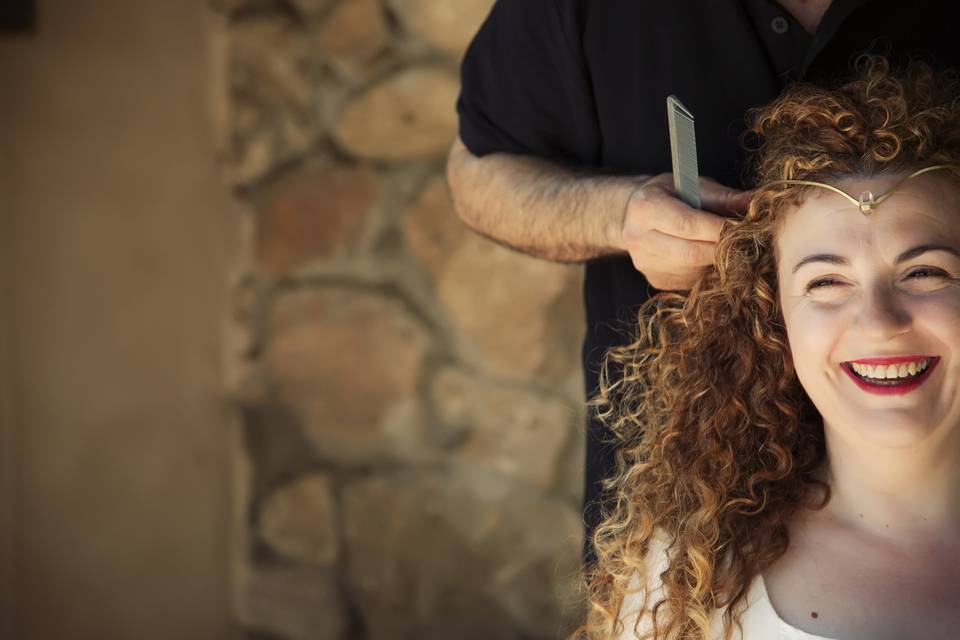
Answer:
[(860, 293)]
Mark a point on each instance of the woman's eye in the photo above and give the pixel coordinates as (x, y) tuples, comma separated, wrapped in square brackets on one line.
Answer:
[(926, 272), (917, 274), (822, 283)]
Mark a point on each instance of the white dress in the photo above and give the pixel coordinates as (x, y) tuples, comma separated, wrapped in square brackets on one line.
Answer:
[(760, 621)]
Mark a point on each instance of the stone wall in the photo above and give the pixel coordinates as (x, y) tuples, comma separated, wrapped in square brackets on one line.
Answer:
[(410, 393)]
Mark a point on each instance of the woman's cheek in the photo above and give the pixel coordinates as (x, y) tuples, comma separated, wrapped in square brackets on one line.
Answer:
[(812, 329), (938, 313)]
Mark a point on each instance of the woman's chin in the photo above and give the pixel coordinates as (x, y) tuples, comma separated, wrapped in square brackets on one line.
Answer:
[(893, 428)]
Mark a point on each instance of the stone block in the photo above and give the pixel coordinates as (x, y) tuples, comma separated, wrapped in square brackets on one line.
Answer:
[(354, 33), (311, 9), (409, 115), (318, 213), (275, 77), (294, 603), (233, 7), (449, 26), (459, 555), (298, 521), (342, 360), (432, 228), (509, 430), (499, 300)]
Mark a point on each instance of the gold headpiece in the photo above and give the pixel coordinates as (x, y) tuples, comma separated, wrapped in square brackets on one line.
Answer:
[(866, 202)]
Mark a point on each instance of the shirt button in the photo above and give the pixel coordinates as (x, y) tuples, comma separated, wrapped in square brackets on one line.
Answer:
[(779, 24)]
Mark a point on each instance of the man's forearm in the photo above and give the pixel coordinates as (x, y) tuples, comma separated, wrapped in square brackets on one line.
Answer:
[(539, 207)]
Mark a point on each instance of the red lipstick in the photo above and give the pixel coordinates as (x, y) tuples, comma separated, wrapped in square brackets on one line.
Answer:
[(899, 388)]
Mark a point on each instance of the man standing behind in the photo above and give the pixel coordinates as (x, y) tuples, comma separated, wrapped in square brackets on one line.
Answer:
[(564, 152)]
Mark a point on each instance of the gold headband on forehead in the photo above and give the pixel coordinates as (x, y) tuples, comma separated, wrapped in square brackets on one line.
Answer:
[(867, 202)]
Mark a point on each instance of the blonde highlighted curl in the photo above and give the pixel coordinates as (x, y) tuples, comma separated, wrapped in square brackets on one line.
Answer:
[(717, 444)]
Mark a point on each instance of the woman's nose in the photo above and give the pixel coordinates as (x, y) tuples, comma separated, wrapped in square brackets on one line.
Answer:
[(882, 313)]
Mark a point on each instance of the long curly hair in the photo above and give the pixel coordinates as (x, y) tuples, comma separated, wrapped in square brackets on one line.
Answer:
[(717, 443)]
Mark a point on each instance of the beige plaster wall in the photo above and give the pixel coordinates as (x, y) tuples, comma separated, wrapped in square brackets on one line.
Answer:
[(117, 238)]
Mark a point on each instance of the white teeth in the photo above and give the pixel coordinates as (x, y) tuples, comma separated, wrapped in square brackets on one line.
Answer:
[(886, 372)]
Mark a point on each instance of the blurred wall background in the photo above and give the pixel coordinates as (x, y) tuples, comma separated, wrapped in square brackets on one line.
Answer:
[(118, 236), (263, 382)]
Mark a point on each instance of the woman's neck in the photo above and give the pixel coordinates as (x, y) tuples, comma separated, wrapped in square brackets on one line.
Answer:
[(908, 495)]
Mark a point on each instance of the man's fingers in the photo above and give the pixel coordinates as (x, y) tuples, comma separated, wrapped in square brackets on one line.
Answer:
[(673, 217), (678, 256), (721, 199)]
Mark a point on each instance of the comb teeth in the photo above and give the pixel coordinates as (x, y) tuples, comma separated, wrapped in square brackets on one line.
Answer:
[(683, 149)]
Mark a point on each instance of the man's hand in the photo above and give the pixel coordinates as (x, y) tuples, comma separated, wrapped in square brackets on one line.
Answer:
[(670, 242)]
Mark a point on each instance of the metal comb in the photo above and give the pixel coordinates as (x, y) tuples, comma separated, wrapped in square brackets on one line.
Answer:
[(683, 151)]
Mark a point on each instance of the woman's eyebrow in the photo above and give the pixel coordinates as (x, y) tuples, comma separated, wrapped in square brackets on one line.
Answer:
[(833, 258)]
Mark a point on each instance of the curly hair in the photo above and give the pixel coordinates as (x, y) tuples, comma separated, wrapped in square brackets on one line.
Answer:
[(717, 443)]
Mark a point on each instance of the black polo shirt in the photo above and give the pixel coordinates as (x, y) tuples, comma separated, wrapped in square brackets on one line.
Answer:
[(584, 82)]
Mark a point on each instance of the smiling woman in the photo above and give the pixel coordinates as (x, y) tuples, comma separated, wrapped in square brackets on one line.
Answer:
[(875, 302), (788, 432)]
